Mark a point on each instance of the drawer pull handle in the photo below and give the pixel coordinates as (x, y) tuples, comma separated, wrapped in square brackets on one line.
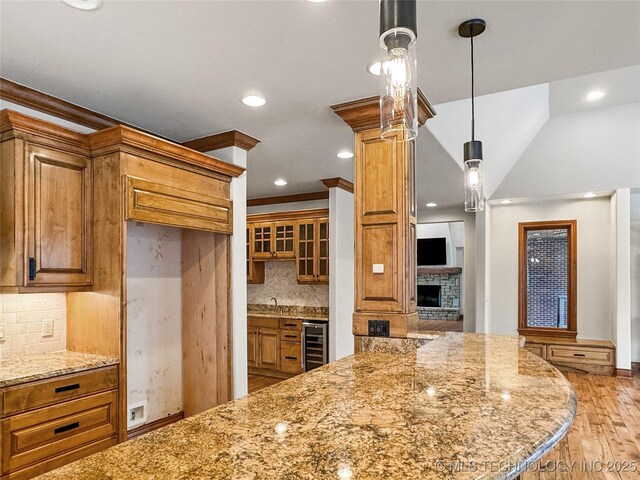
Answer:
[(291, 358), (290, 325), (290, 336), (579, 355), (66, 388), (66, 428)]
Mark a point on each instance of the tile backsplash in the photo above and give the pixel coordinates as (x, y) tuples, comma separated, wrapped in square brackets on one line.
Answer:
[(22, 316), (280, 282)]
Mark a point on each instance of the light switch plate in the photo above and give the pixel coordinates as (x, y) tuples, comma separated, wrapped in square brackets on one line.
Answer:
[(378, 268), (47, 328)]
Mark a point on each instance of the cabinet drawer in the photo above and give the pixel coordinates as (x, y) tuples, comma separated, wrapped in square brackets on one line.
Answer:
[(580, 355), (262, 322), (32, 437), (157, 203), (536, 349), (290, 357), (58, 389), (290, 324), (290, 336)]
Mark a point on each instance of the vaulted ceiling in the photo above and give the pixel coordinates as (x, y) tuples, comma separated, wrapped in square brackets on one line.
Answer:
[(179, 68)]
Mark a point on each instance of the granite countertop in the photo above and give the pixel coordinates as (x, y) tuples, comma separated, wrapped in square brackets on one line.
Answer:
[(15, 371), (289, 311), (458, 398)]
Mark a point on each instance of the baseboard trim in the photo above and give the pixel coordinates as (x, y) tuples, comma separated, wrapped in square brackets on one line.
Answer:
[(149, 427), (635, 367), (623, 372)]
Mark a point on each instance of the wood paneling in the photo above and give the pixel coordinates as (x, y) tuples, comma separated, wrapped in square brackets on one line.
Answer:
[(206, 321), (298, 197), (338, 182), (159, 203), (572, 260), (232, 138), (29, 396), (151, 426)]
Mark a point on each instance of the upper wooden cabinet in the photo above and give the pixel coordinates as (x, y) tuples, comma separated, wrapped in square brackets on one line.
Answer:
[(46, 216), (301, 235)]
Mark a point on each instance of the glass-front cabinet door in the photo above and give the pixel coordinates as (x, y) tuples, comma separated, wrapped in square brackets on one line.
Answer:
[(322, 256), (284, 233), (263, 241), (306, 251)]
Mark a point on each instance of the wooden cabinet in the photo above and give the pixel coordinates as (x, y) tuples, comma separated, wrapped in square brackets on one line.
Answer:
[(255, 270), (274, 346), (269, 347), (284, 233), (575, 355), (46, 219), (52, 422), (252, 347), (273, 240), (313, 251)]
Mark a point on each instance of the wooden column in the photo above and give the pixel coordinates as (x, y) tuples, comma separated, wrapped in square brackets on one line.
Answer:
[(385, 219)]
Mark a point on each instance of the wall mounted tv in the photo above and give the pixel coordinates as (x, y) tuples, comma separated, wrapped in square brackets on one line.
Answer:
[(432, 251)]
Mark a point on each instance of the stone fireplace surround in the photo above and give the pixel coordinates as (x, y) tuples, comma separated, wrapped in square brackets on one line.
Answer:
[(449, 280)]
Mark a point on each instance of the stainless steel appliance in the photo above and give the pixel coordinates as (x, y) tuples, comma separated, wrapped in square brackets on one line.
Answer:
[(315, 345)]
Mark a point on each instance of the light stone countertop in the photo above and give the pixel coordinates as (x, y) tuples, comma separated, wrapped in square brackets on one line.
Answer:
[(374, 415), (15, 371)]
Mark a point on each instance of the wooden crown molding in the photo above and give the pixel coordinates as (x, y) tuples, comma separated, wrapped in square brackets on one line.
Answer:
[(364, 114), (338, 182), (114, 138), (22, 126), (297, 214), (297, 197), (232, 138)]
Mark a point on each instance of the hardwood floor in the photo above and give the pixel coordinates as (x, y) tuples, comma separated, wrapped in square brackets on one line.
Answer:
[(440, 325), (258, 382), (606, 430)]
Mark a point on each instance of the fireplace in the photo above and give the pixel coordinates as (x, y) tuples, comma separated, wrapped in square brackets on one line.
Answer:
[(428, 295)]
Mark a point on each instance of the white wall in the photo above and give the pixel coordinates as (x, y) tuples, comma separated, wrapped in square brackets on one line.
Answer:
[(154, 318), (635, 277), (341, 273), (594, 310)]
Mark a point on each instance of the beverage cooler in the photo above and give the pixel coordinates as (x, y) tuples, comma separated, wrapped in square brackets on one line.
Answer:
[(315, 345)]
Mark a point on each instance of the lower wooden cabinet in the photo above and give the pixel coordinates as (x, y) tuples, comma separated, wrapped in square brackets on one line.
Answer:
[(80, 417), (269, 347), (291, 357), (575, 355), (274, 346)]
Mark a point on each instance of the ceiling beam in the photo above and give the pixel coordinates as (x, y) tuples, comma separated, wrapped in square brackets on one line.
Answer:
[(298, 197), (338, 182), (232, 138)]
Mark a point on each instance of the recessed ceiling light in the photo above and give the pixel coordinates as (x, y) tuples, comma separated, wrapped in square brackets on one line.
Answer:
[(431, 204), (344, 154), (317, 1), (506, 201), (84, 4), (374, 68), (594, 95), (281, 182), (254, 100), (589, 195)]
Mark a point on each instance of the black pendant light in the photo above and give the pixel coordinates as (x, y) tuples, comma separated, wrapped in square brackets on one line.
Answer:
[(398, 79), (473, 167)]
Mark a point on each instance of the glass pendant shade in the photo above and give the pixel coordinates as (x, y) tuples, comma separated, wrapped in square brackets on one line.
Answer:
[(398, 86), (473, 177)]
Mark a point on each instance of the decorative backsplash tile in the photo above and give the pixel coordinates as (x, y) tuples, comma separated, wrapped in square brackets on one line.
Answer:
[(23, 315), (280, 282)]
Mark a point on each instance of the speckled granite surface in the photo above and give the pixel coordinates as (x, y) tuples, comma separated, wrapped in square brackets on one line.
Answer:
[(289, 311), (459, 398), (15, 371)]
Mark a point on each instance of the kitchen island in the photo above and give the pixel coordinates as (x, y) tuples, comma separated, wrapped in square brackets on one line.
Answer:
[(458, 406)]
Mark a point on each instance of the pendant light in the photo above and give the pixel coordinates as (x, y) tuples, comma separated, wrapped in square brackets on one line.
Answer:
[(398, 80), (473, 168)]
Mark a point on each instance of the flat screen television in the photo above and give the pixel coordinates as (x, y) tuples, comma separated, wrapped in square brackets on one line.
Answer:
[(432, 251)]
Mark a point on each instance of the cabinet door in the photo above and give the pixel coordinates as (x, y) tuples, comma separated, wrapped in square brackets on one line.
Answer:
[(262, 241), (269, 347), (290, 357), (305, 261), (252, 347), (58, 217), (255, 270), (322, 251), (284, 239)]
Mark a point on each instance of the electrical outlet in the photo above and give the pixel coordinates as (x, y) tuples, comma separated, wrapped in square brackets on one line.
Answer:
[(378, 328), (137, 414), (1, 332), (47, 328)]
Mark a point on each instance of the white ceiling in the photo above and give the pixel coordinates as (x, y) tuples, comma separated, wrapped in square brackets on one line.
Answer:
[(179, 68)]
